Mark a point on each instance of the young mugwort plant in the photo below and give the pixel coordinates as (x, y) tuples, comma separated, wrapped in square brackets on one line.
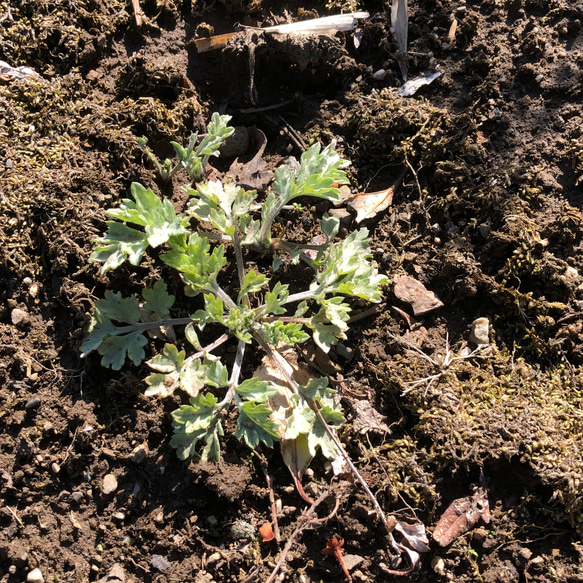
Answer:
[(252, 309)]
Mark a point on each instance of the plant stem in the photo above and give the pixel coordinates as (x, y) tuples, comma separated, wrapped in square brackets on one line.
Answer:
[(143, 326), (235, 373)]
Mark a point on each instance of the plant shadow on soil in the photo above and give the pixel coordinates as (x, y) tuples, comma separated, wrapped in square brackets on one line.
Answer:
[(489, 218)]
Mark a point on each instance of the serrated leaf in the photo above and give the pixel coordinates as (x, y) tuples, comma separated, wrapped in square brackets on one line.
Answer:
[(162, 384), (194, 423), (196, 262), (239, 321), (118, 244), (347, 270), (330, 225), (290, 333), (255, 390), (218, 131), (99, 329), (115, 307), (315, 387), (252, 282), (214, 307), (217, 374), (157, 216), (275, 299), (157, 299), (254, 425), (169, 360), (114, 349)]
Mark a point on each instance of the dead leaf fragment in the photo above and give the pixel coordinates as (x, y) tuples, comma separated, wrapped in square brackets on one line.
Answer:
[(409, 290), (252, 174), (461, 515), (368, 204)]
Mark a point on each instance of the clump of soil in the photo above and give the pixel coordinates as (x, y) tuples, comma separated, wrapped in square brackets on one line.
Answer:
[(489, 217)]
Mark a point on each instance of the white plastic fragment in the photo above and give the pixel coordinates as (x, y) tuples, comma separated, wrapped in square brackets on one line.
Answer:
[(413, 85), (8, 73), (340, 22)]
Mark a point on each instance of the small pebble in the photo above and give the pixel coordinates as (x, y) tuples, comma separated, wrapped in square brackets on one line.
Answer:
[(138, 454), (119, 516), (18, 316), (352, 561), (480, 333), (77, 496), (109, 484), (379, 75), (35, 576), (212, 520), (33, 403), (160, 563), (438, 565), (55, 467)]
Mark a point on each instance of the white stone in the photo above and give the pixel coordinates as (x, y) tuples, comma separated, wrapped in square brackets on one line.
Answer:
[(480, 332), (35, 576)]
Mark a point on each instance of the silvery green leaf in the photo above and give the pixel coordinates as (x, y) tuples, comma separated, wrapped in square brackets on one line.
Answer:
[(252, 282), (217, 374), (114, 349), (192, 336), (330, 225), (255, 390), (158, 300), (275, 299), (118, 244), (255, 426), (169, 360)]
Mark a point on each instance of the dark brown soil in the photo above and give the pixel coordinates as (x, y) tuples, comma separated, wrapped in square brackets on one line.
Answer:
[(489, 217)]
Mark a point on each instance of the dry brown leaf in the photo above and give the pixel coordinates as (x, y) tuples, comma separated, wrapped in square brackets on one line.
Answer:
[(461, 515), (368, 204)]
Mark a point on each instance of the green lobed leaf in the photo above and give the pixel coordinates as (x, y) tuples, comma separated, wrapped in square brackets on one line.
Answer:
[(252, 282), (115, 349), (118, 244), (157, 299), (197, 422), (347, 269), (196, 262), (162, 384), (290, 333), (255, 390), (170, 360), (275, 299), (217, 374), (254, 425), (115, 307), (194, 376)]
